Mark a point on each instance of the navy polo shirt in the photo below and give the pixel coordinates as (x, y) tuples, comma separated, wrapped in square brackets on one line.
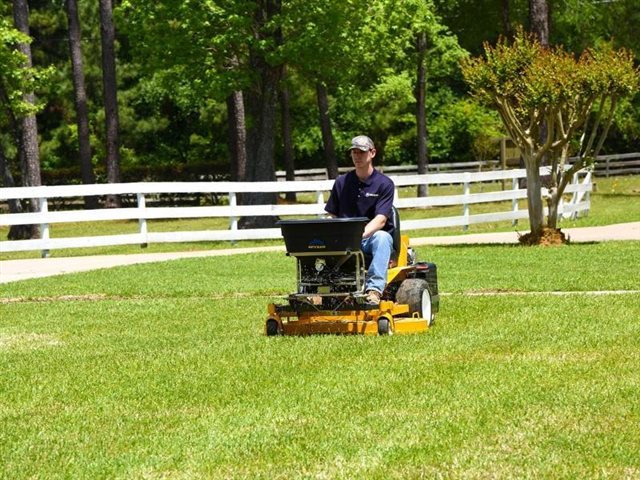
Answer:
[(351, 197)]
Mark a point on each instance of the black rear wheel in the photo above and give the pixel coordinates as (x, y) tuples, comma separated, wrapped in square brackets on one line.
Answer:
[(415, 293)]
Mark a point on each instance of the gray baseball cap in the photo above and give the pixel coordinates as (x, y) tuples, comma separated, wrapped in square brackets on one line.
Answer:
[(362, 142)]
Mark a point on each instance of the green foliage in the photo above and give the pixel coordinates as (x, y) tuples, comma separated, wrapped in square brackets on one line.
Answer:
[(188, 46), (386, 82), (466, 129), (15, 79), (177, 61), (580, 25), (575, 24), (306, 27), (530, 85)]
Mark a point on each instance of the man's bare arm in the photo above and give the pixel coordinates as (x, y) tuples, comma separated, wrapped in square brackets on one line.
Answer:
[(374, 225)]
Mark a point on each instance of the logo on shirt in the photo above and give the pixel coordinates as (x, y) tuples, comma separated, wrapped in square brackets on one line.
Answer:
[(368, 194)]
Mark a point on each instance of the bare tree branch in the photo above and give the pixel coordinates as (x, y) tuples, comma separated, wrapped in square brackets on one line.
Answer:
[(596, 126), (605, 131)]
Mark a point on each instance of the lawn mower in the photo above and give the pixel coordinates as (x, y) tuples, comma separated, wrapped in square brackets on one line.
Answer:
[(331, 269)]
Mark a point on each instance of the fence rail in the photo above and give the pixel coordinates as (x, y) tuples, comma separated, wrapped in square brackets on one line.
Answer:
[(579, 202), (321, 173), (619, 164), (606, 165)]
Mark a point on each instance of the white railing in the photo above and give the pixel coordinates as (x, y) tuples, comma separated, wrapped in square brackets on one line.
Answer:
[(321, 173), (606, 166), (579, 189)]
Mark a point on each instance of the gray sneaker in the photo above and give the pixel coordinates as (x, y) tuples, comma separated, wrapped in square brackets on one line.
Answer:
[(373, 298)]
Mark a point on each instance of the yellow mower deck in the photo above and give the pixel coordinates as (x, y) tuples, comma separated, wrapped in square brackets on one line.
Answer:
[(357, 322)]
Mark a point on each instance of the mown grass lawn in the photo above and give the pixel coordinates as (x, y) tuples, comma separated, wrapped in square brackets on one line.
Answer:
[(162, 371)]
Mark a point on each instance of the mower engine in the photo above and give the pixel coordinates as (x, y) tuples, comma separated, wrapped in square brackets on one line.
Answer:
[(332, 281)]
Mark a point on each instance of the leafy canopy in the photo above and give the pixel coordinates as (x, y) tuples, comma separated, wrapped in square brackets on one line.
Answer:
[(15, 79), (530, 85)]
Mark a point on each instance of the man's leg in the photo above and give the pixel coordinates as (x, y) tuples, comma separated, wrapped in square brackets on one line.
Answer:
[(379, 245)]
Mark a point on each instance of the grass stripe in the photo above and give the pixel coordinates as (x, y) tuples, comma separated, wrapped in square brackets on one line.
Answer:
[(553, 293)]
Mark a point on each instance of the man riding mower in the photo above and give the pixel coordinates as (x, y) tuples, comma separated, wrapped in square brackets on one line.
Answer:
[(330, 295)]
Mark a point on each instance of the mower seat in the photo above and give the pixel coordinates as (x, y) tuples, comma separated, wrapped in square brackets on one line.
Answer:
[(395, 219)]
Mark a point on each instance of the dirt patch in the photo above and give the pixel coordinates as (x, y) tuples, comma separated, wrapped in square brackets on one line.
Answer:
[(61, 298), (102, 297), (27, 341), (521, 293), (549, 237)]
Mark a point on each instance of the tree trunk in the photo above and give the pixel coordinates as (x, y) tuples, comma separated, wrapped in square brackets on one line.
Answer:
[(110, 93), (559, 180), (262, 105), (237, 135), (16, 232), (506, 20), (539, 20), (381, 149), (553, 204), (328, 149), (80, 95), (29, 152), (534, 197), (287, 139), (421, 117)]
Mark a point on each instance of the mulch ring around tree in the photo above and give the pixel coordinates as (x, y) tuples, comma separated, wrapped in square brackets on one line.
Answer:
[(549, 237)]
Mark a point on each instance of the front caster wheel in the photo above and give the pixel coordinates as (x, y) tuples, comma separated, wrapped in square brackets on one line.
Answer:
[(384, 327), (271, 328)]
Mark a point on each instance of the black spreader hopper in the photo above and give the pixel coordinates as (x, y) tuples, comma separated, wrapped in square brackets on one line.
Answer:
[(323, 234)]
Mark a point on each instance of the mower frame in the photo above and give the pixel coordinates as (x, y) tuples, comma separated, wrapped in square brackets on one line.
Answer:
[(330, 296)]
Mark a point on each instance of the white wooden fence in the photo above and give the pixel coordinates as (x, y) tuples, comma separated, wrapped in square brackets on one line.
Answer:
[(453, 167), (579, 190), (605, 166)]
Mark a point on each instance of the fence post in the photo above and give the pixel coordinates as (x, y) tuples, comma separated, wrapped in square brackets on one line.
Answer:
[(233, 203), (142, 221), (44, 227), (574, 197), (320, 201), (587, 179), (465, 208), (515, 185)]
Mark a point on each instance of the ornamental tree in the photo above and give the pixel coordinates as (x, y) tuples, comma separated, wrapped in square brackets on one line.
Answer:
[(553, 105)]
